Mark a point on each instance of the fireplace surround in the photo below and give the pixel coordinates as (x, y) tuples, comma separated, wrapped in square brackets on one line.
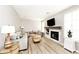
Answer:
[(54, 33)]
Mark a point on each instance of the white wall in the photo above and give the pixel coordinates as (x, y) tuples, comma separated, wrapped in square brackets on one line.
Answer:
[(31, 25), (7, 17), (60, 19)]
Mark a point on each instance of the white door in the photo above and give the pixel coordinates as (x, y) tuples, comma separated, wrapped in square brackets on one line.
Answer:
[(67, 24)]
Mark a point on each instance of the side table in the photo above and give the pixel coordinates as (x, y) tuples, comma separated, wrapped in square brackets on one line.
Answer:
[(12, 50)]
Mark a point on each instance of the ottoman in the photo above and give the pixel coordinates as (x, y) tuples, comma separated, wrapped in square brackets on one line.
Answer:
[(36, 38)]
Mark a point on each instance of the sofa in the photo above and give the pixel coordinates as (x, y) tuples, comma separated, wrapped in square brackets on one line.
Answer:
[(2, 40), (23, 40)]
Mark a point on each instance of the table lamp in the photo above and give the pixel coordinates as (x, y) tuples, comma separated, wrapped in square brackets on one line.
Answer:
[(8, 30)]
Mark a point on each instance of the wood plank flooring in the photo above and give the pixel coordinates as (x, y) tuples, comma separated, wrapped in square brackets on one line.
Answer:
[(46, 46)]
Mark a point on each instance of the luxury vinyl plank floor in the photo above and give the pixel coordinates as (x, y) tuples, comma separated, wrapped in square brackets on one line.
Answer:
[(45, 46), (56, 47)]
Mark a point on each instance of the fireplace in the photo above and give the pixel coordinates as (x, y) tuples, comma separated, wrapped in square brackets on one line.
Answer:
[(55, 35)]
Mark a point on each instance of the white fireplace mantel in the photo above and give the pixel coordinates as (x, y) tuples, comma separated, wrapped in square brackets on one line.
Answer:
[(56, 30), (60, 41)]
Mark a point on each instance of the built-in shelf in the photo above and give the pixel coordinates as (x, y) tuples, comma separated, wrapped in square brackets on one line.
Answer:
[(54, 27)]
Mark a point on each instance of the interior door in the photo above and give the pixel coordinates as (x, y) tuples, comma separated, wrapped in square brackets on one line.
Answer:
[(67, 24)]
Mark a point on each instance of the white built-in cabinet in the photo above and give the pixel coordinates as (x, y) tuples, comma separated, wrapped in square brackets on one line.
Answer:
[(71, 22)]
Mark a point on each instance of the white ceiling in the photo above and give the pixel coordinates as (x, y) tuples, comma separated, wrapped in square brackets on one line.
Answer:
[(38, 12)]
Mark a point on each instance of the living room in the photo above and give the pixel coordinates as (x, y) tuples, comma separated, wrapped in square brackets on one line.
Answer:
[(29, 27)]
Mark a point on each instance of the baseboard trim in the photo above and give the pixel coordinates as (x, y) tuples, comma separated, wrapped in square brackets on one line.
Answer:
[(22, 50), (62, 45), (69, 50)]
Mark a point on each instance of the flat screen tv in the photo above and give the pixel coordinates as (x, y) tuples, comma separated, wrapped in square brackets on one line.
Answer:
[(51, 22)]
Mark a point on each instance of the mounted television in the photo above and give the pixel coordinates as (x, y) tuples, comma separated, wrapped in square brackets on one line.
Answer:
[(51, 22)]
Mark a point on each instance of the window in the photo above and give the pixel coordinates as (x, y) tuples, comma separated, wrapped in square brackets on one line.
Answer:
[(42, 25)]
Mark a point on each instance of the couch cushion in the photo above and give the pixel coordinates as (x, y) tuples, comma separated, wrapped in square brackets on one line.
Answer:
[(2, 40)]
